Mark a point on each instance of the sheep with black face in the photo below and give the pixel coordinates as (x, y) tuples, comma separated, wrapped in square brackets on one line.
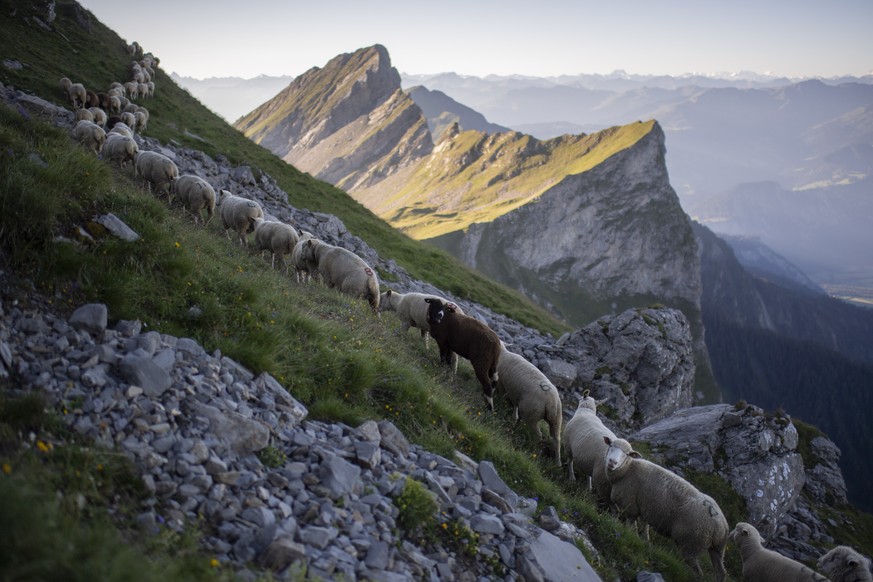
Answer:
[(469, 338)]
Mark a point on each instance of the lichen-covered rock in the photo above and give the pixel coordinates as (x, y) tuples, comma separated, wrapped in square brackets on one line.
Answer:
[(755, 453), (641, 361)]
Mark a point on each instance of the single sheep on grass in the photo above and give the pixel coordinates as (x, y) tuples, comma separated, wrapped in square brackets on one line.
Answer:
[(158, 171), (196, 195), (585, 447), (469, 338), (277, 237), (119, 149), (668, 503), (344, 270), (532, 395), (844, 564), (760, 564), (239, 214), (90, 135)]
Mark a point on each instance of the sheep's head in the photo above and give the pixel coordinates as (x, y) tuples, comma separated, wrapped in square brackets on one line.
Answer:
[(437, 310), (618, 454), (744, 533)]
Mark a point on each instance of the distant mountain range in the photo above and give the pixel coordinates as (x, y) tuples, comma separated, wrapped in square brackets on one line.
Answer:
[(232, 97)]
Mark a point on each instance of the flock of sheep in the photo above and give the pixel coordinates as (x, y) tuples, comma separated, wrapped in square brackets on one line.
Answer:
[(617, 475)]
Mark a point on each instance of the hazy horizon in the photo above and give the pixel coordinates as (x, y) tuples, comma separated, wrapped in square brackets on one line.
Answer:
[(794, 39)]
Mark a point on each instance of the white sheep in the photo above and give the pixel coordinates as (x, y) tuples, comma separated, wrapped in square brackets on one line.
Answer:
[(141, 120), (121, 128), (305, 269), (410, 309), (98, 115), (90, 135), (158, 170), (75, 92), (130, 89), (239, 214), (668, 503), (196, 195), (84, 114), (534, 397), (129, 119), (844, 564), (119, 149), (344, 270), (114, 104), (277, 237), (585, 447), (759, 563)]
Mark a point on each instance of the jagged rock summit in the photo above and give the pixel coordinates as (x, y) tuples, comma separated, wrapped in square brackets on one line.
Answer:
[(340, 121), (575, 221)]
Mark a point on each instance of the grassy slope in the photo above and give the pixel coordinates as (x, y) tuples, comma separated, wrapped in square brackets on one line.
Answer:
[(329, 352), (508, 170)]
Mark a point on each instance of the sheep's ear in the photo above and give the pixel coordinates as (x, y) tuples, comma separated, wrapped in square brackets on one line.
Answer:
[(451, 307), (853, 563), (601, 402), (635, 455), (607, 440), (427, 299), (585, 393), (388, 293)]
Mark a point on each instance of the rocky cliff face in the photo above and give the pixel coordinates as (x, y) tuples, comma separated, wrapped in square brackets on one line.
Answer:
[(615, 231)]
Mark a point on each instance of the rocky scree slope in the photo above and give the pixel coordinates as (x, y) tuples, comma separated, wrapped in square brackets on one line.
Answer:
[(640, 361)]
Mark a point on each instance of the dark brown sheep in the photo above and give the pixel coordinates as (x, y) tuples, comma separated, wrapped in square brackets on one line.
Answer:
[(469, 338)]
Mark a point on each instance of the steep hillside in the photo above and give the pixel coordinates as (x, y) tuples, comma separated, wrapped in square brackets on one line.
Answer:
[(824, 230), (316, 123), (155, 381), (781, 346)]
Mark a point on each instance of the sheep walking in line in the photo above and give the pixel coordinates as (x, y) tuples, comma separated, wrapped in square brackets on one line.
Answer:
[(119, 149), (84, 114), (304, 269), (844, 564), (344, 270), (762, 564), (196, 195), (669, 504), (585, 447), (98, 115), (239, 214), (76, 92), (119, 127), (158, 171), (534, 397), (277, 237), (469, 338), (90, 135)]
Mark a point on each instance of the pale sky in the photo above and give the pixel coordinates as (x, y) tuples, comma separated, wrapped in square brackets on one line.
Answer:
[(246, 38)]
